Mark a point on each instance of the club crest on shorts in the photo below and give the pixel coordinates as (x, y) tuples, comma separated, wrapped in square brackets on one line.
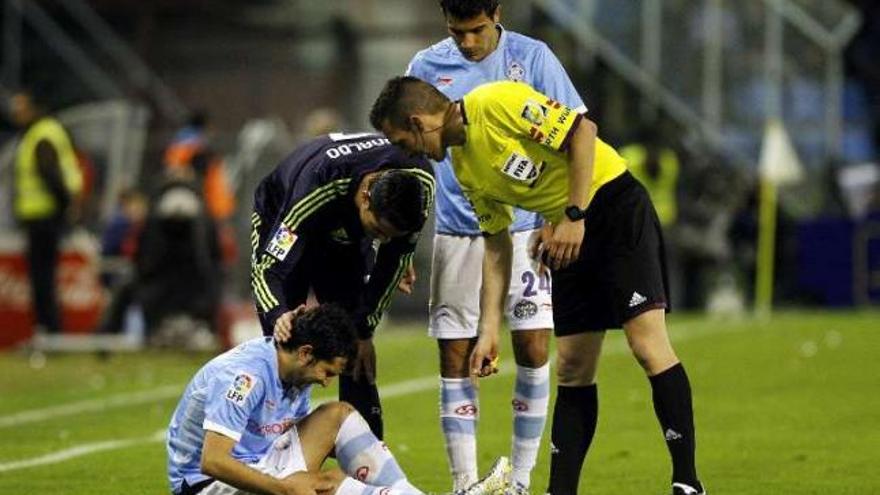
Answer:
[(241, 387), (524, 309), (516, 72), (281, 243)]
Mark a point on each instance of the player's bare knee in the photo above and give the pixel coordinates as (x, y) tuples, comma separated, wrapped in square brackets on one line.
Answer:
[(337, 410), (454, 356), (530, 348)]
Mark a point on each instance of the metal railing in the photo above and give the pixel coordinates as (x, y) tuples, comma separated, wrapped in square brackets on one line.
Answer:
[(104, 83), (718, 57)]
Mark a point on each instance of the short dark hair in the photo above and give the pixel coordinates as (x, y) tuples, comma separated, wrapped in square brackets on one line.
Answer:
[(327, 328), (403, 96), (400, 198), (468, 9)]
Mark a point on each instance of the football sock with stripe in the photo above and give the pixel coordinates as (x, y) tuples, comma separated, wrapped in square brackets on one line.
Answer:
[(364, 457), (364, 396), (574, 423), (672, 403), (530, 401), (459, 412), (351, 486)]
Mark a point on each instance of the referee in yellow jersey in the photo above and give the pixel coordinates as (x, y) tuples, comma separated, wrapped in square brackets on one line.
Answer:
[(512, 146)]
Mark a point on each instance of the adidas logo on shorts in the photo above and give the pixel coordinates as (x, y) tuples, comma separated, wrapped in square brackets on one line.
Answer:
[(672, 435), (636, 299)]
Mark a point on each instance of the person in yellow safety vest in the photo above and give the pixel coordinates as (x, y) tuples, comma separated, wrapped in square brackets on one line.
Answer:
[(656, 167), (47, 182)]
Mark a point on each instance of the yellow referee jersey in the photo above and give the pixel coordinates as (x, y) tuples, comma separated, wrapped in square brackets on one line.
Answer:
[(516, 154)]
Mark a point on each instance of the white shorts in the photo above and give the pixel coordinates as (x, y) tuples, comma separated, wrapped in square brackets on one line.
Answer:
[(456, 277), (284, 458)]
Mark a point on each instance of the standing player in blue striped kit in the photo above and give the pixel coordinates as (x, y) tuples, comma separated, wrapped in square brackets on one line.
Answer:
[(318, 219), (479, 51)]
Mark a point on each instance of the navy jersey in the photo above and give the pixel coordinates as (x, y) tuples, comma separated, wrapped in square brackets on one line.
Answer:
[(308, 201)]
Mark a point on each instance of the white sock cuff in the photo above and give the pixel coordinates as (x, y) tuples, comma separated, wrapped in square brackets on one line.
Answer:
[(533, 375), (353, 426)]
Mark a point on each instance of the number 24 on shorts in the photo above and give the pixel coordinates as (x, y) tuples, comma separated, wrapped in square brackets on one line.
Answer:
[(529, 278)]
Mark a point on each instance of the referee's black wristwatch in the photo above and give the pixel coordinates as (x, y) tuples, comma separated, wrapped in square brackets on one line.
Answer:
[(574, 213)]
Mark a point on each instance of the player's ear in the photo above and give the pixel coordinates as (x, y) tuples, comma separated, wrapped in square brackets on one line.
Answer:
[(496, 16), (305, 353)]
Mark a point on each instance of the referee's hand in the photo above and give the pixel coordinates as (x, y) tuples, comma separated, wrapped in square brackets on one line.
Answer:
[(565, 244), (538, 245)]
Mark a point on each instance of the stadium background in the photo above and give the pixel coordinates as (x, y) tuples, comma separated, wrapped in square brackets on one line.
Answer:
[(754, 97)]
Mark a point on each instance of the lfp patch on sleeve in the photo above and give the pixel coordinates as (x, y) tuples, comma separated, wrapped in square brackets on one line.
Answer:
[(534, 112), (241, 387), (281, 243)]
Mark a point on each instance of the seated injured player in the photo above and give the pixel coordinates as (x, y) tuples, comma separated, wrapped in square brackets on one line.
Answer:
[(243, 424)]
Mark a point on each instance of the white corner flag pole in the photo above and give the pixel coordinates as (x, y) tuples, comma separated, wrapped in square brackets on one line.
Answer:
[(779, 165)]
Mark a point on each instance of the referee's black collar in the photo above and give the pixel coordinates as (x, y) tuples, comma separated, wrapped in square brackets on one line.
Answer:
[(460, 104)]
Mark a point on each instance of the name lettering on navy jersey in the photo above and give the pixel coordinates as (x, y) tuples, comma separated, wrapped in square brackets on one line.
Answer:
[(349, 148)]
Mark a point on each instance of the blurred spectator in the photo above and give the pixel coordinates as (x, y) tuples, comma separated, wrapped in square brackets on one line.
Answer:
[(190, 148), (656, 166), (322, 120), (118, 248), (178, 263), (48, 181), (120, 236)]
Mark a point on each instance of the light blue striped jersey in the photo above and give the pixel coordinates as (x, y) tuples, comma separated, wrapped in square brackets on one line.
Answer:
[(237, 394), (517, 58)]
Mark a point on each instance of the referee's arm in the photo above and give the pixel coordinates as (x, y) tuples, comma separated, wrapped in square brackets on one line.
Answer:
[(497, 260), (580, 143)]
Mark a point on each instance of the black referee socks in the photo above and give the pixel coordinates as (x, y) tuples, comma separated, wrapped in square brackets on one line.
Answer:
[(672, 403), (365, 398), (574, 423)]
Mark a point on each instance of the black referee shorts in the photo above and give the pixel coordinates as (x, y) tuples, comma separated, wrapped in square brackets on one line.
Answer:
[(621, 270)]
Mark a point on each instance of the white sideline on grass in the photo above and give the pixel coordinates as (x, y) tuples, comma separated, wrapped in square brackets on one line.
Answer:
[(398, 389)]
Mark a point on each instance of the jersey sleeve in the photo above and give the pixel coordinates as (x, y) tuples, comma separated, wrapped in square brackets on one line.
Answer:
[(232, 397), (275, 257), (392, 261), (519, 110), (552, 80)]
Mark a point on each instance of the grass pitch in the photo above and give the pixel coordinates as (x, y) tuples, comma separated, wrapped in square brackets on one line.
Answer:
[(787, 406)]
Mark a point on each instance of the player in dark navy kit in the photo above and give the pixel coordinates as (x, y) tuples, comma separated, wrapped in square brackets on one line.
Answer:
[(341, 217)]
